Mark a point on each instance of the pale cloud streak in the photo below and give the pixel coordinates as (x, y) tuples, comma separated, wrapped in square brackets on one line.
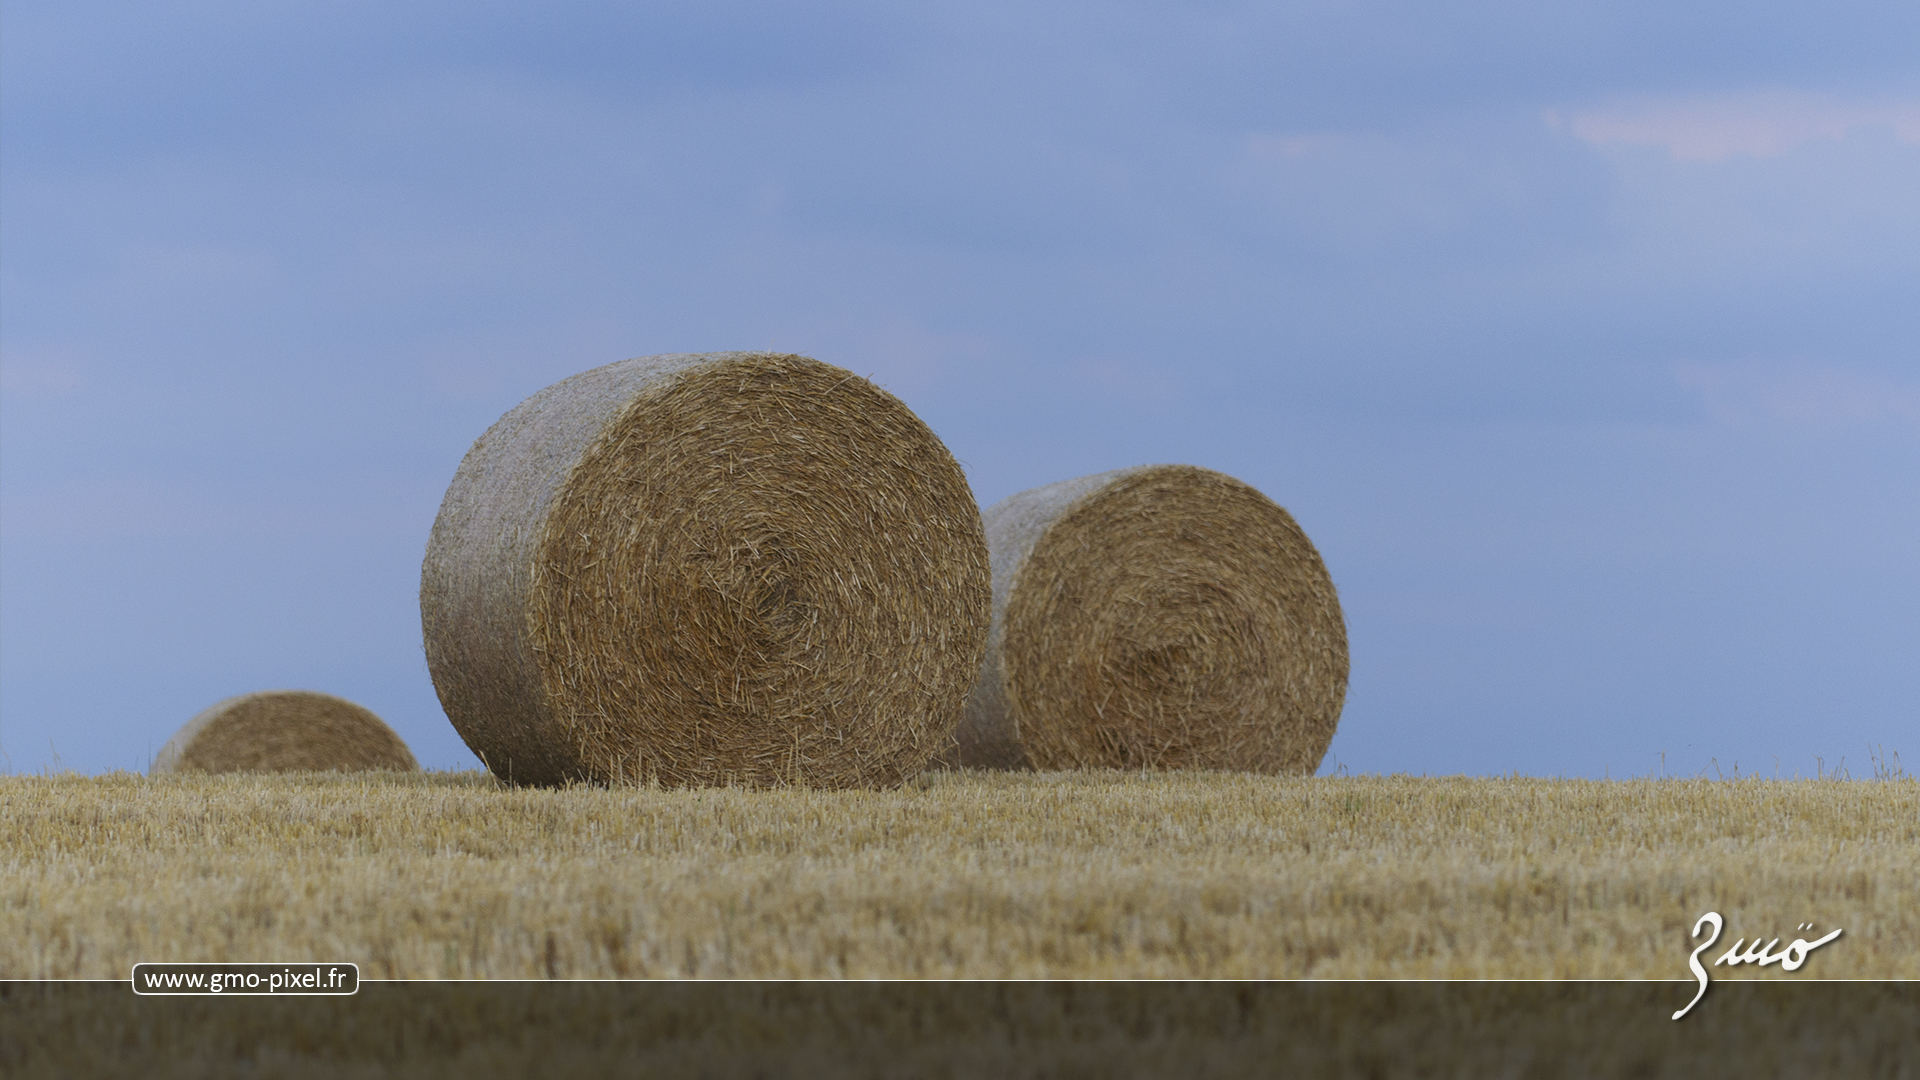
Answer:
[(1801, 394), (38, 376), (1755, 123)]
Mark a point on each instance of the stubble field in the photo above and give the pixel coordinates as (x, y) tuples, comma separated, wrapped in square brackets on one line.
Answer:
[(959, 875)]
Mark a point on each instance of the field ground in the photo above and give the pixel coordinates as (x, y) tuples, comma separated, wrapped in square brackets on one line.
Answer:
[(1006, 1031), (1087, 875)]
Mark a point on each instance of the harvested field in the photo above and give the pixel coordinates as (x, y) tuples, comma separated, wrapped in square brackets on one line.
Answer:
[(942, 1030), (1070, 875)]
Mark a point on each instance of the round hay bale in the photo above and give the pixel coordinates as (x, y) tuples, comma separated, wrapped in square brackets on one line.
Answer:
[(283, 731), (1163, 616), (707, 569)]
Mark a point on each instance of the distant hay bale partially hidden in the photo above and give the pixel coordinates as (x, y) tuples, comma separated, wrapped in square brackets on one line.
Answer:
[(283, 731), (1163, 616), (707, 569)]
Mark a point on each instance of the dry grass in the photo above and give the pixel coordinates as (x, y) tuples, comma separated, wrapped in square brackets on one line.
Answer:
[(958, 875), (1017, 1031)]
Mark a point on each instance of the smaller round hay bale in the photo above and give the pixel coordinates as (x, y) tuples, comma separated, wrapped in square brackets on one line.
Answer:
[(283, 731), (1163, 616)]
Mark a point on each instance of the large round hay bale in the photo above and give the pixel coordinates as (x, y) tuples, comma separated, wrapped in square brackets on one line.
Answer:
[(283, 731), (722, 568), (1163, 616)]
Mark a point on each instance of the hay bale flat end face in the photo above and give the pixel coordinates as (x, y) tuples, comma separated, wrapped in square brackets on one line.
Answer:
[(1156, 617), (709, 569), (283, 731)]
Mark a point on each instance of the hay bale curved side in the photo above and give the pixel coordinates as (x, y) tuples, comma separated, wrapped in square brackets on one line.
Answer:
[(283, 731), (1161, 616), (703, 569)]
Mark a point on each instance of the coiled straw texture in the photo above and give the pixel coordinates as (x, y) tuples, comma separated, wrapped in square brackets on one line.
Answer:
[(283, 731), (707, 569), (1162, 616)]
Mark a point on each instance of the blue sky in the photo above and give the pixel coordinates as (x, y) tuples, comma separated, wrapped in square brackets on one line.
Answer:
[(1583, 338)]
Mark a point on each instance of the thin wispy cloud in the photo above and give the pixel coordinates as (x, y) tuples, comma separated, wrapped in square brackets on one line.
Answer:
[(1294, 146), (38, 376), (1801, 394), (1755, 124)]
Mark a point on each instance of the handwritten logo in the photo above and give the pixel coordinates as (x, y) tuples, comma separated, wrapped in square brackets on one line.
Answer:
[(1789, 958)]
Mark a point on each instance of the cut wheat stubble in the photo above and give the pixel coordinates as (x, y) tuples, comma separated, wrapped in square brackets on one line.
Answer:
[(707, 569), (1161, 616)]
